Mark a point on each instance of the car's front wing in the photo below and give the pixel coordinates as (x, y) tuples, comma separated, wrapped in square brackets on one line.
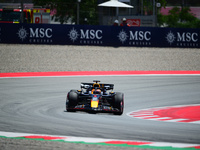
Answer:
[(100, 108)]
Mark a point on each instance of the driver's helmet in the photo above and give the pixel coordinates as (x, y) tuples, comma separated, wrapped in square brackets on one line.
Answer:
[(124, 19), (96, 91)]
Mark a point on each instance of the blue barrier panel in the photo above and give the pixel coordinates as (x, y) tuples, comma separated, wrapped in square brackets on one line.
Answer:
[(99, 35)]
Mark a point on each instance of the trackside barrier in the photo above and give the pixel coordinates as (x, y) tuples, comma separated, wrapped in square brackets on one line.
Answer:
[(99, 35)]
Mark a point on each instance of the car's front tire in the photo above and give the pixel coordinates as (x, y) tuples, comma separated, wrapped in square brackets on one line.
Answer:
[(72, 100), (119, 103)]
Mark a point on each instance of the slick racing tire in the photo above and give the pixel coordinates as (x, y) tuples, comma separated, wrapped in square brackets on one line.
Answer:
[(119, 103), (72, 100)]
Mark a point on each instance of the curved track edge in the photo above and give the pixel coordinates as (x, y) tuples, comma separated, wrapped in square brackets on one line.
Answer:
[(100, 141), (95, 73)]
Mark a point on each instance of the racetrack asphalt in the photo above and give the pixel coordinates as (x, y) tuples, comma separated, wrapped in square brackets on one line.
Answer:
[(36, 105)]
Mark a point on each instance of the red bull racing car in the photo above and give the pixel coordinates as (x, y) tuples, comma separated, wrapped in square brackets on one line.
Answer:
[(94, 97)]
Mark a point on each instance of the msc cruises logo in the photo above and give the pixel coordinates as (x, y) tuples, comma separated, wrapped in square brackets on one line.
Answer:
[(73, 34), (170, 37), (22, 33), (35, 35), (137, 38), (183, 38), (122, 36), (86, 36)]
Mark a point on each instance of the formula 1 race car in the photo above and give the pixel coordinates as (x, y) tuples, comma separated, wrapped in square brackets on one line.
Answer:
[(94, 97)]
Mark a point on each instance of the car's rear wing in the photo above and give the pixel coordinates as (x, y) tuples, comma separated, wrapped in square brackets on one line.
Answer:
[(102, 85)]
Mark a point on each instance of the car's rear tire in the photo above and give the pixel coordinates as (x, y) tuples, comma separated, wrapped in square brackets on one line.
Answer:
[(72, 100), (119, 103)]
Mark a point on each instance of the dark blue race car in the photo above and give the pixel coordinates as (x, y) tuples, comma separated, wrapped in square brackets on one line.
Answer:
[(94, 97)]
